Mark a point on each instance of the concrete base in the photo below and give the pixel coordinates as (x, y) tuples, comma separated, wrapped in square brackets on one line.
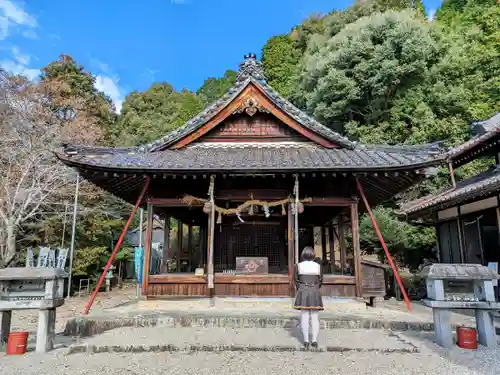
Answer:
[(442, 327), (5, 321), (485, 328), (45, 334)]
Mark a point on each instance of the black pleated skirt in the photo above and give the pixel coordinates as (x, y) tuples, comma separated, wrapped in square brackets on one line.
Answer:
[(308, 298)]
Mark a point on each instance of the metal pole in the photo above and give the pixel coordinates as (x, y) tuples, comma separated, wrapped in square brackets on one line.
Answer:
[(73, 231), (141, 218), (64, 223)]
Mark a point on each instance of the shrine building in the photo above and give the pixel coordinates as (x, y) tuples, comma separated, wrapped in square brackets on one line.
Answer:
[(244, 186)]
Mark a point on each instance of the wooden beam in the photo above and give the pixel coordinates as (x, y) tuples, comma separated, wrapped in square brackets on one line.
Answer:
[(147, 248), (330, 201), (172, 202), (238, 195), (356, 248), (291, 250)]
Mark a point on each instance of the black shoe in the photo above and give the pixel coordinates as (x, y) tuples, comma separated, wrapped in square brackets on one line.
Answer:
[(306, 345), (314, 345)]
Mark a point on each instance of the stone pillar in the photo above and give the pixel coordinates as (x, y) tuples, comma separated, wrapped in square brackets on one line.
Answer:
[(45, 334), (442, 327), (486, 333), (5, 319)]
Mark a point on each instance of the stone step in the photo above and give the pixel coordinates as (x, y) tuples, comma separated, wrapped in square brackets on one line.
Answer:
[(85, 326), (148, 339), (252, 304)]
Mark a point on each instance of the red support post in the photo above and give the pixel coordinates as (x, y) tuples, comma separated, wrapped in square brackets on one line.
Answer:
[(384, 246), (117, 247)]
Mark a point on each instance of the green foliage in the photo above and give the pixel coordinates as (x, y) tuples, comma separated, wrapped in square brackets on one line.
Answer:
[(151, 114), (407, 244), (213, 88)]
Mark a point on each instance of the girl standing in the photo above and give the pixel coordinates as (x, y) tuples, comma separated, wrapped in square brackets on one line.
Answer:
[(308, 279)]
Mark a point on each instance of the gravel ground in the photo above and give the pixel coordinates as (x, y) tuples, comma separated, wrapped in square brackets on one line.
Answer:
[(252, 363)]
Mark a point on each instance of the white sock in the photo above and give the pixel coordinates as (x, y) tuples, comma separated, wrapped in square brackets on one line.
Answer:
[(304, 324), (315, 325)]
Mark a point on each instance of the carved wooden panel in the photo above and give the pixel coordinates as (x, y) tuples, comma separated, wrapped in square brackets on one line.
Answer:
[(243, 127)]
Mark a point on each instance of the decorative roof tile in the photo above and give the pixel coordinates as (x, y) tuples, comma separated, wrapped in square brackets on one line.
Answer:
[(483, 184), (483, 131)]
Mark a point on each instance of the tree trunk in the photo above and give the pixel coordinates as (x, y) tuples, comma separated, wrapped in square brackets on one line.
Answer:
[(10, 244)]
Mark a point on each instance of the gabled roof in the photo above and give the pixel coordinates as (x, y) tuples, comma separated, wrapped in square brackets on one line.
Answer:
[(483, 132), (483, 184), (250, 73)]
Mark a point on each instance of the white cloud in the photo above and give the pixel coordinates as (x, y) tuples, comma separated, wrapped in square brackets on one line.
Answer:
[(431, 14), (15, 17), (19, 64), (19, 57), (14, 67), (109, 86)]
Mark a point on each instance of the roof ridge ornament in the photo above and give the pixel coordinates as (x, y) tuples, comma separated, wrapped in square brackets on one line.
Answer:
[(251, 67)]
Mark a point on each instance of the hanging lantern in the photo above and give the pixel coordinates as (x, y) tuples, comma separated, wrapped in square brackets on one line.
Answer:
[(300, 207), (251, 210), (207, 207), (283, 210), (219, 218)]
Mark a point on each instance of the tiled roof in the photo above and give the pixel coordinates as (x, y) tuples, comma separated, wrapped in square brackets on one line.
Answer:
[(483, 131), (483, 184), (256, 156), (250, 72)]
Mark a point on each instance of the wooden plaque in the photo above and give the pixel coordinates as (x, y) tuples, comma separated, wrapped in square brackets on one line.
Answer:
[(252, 265)]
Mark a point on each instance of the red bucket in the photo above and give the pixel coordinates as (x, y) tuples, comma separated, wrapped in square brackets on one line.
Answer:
[(17, 342), (467, 338)]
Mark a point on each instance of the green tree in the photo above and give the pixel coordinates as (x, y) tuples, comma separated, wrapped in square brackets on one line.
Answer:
[(151, 114), (357, 76), (213, 88), (280, 57), (68, 84)]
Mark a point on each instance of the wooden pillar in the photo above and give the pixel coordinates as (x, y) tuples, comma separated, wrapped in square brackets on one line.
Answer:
[(147, 248), (355, 247), (323, 244), (179, 245), (331, 243), (342, 246), (166, 244), (210, 264), (291, 249), (190, 247)]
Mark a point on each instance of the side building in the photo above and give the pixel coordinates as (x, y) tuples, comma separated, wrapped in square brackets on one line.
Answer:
[(467, 215)]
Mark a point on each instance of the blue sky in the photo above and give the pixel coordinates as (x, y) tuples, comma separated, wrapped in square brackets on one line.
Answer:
[(129, 44)]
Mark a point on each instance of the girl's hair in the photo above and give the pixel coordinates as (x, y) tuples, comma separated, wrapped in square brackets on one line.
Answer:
[(307, 253)]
